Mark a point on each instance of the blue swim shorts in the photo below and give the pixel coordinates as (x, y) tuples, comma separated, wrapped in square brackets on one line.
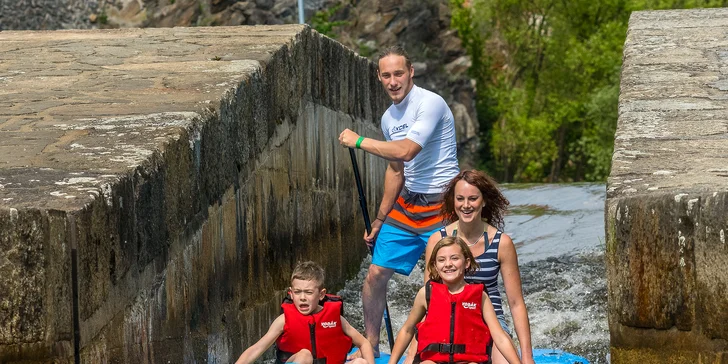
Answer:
[(398, 249)]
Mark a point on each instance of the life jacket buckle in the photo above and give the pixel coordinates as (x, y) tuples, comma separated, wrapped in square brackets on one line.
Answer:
[(447, 348)]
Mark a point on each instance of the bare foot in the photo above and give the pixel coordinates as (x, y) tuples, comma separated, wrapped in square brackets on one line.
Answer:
[(357, 355)]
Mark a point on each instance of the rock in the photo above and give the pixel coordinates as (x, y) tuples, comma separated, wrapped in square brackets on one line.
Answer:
[(452, 46), (285, 8), (265, 4), (237, 18), (217, 6), (458, 66), (422, 28), (258, 16), (465, 128), (398, 25), (389, 5), (243, 5), (131, 15), (466, 131), (420, 68)]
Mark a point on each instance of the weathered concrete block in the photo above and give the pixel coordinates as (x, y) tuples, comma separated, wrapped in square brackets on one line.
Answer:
[(666, 211), (195, 166)]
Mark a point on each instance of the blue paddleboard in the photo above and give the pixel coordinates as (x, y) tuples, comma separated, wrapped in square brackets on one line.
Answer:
[(382, 359), (556, 356), (540, 356)]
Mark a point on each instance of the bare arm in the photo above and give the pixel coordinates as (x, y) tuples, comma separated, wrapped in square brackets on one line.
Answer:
[(255, 351), (396, 150), (501, 340), (393, 182), (367, 352), (512, 282), (405, 335)]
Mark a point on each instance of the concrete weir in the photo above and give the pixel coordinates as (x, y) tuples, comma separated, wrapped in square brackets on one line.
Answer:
[(190, 168), (667, 195)]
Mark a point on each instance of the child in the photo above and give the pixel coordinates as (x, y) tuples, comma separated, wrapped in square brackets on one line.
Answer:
[(459, 318), (311, 328)]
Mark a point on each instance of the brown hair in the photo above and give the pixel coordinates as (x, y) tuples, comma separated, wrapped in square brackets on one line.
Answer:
[(397, 51), (495, 203), (309, 271), (447, 241)]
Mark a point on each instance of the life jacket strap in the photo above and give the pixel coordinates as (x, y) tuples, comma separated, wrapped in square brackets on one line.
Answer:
[(446, 348)]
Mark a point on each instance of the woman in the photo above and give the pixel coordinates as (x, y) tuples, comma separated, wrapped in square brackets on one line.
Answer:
[(473, 208)]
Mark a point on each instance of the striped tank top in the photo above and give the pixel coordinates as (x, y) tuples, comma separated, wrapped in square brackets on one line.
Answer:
[(488, 270)]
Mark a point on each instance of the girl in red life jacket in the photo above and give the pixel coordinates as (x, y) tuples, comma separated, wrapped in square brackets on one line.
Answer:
[(459, 320)]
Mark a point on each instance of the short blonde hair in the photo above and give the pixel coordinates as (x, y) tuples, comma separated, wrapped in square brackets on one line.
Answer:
[(309, 271)]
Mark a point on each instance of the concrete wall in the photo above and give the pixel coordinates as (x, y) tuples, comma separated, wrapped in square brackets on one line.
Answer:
[(667, 195), (191, 167)]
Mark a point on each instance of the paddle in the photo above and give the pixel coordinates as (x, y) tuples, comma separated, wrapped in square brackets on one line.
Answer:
[(368, 225)]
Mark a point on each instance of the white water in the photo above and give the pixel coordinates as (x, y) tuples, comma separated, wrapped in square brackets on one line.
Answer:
[(559, 236)]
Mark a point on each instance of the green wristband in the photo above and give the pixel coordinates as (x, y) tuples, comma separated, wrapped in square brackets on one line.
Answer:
[(358, 142)]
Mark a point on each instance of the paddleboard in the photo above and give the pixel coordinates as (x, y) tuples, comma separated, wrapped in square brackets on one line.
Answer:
[(556, 356), (382, 359), (540, 356)]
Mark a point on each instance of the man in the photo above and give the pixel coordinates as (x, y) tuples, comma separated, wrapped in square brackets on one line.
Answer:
[(420, 145)]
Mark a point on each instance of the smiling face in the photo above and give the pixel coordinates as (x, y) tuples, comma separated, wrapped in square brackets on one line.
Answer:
[(306, 295), (468, 202), (396, 76), (451, 263)]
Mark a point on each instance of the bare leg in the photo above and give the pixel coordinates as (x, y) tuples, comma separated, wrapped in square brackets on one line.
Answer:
[(498, 357), (302, 357), (374, 298)]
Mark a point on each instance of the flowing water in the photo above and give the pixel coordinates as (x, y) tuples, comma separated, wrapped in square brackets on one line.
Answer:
[(559, 235)]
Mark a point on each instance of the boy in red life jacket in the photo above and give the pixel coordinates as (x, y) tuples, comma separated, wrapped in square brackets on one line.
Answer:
[(460, 321), (311, 329)]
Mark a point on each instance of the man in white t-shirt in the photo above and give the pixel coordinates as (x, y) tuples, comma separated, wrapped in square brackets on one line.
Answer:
[(420, 146)]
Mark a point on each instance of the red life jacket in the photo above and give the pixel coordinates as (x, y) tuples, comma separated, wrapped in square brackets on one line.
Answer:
[(321, 333), (454, 329)]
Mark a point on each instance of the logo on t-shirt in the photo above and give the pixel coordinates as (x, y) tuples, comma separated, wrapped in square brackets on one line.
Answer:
[(328, 324), (470, 305), (397, 129)]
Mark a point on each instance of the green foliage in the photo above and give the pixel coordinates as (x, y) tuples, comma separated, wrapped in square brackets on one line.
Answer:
[(103, 18), (547, 76), (322, 23)]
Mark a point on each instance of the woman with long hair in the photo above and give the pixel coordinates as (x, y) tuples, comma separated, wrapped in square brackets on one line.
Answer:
[(473, 209)]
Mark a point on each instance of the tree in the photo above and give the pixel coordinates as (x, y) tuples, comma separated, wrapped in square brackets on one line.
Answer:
[(547, 76)]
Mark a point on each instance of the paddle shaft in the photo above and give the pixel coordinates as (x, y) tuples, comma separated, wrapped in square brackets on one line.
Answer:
[(368, 225)]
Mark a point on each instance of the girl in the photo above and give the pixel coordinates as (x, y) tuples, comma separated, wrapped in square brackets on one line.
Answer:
[(473, 206), (459, 318)]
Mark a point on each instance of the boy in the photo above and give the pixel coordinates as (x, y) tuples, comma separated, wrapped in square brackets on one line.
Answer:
[(311, 328)]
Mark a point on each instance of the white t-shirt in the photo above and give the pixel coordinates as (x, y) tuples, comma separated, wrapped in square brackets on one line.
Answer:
[(424, 118)]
